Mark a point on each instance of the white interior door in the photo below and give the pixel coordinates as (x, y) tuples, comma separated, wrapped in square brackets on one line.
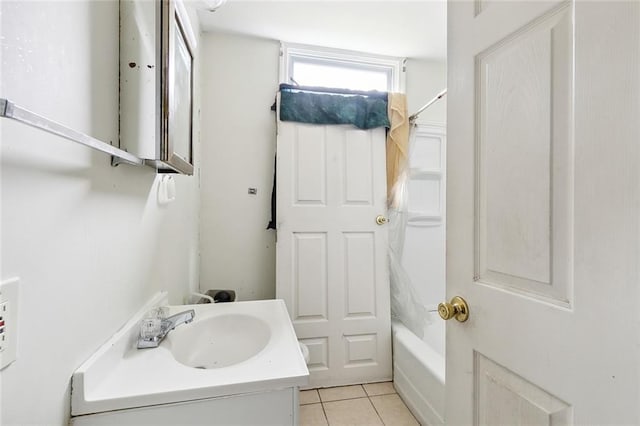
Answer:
[(543, 212), (331, 255)]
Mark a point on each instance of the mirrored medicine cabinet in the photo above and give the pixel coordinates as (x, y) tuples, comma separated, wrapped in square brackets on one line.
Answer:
[(157, 46)]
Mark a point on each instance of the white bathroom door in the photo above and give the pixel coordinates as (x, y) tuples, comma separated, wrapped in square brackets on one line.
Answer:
[(543, 212), (331, 256)]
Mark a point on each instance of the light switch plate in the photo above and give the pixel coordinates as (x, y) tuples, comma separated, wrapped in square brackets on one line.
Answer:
[(9, 316)]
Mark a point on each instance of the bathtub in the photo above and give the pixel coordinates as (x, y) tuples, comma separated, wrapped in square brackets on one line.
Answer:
[(419, 370)]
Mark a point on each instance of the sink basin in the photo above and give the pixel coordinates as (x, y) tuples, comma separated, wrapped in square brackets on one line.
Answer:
[(219, 341), (229, 349)]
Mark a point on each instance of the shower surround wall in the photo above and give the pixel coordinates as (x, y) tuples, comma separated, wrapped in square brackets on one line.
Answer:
[(89, 242), (240, 77)]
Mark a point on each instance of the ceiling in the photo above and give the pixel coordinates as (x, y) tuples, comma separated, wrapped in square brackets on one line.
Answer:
[(413, 29)]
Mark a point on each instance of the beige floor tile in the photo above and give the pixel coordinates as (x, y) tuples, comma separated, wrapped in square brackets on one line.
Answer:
[(309, 397), (312, 415), (342, 392), (373, 389), (352, 412), (393, 411)]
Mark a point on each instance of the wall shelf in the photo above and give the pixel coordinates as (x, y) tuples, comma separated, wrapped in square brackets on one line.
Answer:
[(423, 221), (416, 173)]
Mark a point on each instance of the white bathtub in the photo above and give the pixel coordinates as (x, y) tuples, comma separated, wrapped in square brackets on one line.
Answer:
[(419, 370)]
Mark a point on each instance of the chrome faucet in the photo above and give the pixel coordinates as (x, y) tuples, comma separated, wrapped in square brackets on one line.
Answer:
[(152, 339)]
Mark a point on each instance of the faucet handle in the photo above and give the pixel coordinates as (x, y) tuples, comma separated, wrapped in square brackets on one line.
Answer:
[(160, 312), (152, 325), (150, 328)]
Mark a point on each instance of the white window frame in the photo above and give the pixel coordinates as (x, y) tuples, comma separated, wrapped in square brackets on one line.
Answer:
[(396, 67)]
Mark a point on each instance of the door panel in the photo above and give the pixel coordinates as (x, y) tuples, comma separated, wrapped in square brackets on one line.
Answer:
[(360, 283), (310, 167), (543, 203), (358, 172), (505, 398), (310, 276), (331, 255), (524, 167)]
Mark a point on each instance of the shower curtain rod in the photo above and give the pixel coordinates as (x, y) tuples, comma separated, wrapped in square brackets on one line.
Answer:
[(335, 91), (415, 115)]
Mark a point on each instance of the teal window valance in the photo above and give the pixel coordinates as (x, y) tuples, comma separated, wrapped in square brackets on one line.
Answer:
[(365, 110)]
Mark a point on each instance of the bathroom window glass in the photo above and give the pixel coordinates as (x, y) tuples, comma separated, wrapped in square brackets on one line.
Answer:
[(311, 66)]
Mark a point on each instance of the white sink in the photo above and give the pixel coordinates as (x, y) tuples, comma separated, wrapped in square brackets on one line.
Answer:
[(244, 347), (218, 341)]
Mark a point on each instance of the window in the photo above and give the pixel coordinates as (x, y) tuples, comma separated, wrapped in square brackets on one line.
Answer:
[(314, 66)]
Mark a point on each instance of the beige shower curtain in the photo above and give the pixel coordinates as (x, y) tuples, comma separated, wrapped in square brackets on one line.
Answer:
[(397, 145)]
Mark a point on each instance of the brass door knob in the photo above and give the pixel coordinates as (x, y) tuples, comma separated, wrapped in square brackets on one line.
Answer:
[(381, 220), (457, 309)]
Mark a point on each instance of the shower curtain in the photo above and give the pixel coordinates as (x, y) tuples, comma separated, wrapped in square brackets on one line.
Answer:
[(404, 298)]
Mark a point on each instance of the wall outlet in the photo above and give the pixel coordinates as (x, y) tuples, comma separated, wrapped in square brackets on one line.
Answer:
[(4, 310), (8, 321)]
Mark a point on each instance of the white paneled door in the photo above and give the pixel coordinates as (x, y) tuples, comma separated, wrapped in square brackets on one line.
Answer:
[(543, 212), (332, 268)]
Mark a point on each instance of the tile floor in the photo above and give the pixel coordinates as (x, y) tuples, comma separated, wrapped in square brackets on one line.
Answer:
[(367, 405)]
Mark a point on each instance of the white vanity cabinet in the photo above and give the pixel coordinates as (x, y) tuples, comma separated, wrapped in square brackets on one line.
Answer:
[(276, 407), (157, 51)]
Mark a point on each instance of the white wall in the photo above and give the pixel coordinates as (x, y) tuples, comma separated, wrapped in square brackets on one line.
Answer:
[(89, 242), (240, 80), (425, 79)]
